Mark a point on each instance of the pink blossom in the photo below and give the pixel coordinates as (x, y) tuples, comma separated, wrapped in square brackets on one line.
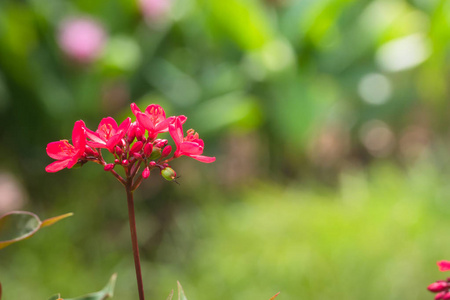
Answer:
[(66, 154), (153, 119), (190, 145), (108, 134), (81, 39)]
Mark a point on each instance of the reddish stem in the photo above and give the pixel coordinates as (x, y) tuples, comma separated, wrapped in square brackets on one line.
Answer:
[(134, 242)]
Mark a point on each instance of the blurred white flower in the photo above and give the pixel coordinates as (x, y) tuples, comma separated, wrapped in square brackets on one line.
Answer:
[(81, 39)]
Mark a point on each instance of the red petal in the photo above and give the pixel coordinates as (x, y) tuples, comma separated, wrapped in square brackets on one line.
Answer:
[(123, 128), (145, 121), (79, 135), (57, 166), (176, 131), (135, 109), (156, 111), (205, 159), (94, 137), (182, 118), (191, 148), (60, 150), (71, 162), (108, 121), (443, 265), (200, 142), (162, 126), (112, 142)]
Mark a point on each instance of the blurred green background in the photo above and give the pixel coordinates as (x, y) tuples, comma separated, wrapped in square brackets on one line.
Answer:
[(328, 118)]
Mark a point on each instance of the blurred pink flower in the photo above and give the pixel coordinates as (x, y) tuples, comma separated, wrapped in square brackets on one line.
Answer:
[(81, 39), (154, 10), (444, 265)]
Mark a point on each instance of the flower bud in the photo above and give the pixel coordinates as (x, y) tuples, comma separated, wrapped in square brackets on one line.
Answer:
[(137, 156), (136, 147), (89, 151), (116, 161), (160, 143), (148, 149), (146, 173), (438, 286), (446, 296), (440, 295), (168, 173), (108, 167), (125, 162), (166, 151), (152, 164), (118, 151), (131, 132), (156, 153), (140, 134)]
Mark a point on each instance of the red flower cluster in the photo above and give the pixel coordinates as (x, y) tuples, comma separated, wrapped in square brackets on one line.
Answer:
[(131, 143), (441, 287)]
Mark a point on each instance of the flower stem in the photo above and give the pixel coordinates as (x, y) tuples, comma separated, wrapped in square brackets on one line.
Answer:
[(134, 242)]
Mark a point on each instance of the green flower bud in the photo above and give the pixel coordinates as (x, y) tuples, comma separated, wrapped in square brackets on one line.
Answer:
[(168, 173), (156, 153)]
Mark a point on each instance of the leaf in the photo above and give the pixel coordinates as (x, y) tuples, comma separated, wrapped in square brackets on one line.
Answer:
[(106, 293), (181, 295), (168, 298), (16, 226), (56, 297), (53, 220), (0, 291), (274, 296)]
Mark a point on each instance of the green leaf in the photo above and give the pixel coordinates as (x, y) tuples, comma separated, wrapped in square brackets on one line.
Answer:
[(16, 226), (106, 293), (55, 297), (181, 295)]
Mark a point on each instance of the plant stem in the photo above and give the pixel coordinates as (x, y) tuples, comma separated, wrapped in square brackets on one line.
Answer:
[(134, 242)]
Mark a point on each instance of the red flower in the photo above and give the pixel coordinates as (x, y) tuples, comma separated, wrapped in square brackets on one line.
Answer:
[(154, 119), (108, 134), (443, 265), (190, 145), (66, 154)]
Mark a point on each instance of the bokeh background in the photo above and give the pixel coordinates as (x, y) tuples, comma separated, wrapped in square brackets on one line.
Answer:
[(329, 120)]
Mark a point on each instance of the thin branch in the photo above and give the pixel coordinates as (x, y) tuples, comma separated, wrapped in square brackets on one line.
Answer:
[(134, 242)]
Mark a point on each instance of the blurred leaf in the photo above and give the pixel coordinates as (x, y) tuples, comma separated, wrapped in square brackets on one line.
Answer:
[(181, 295), (250, 28), (233, 109), (19, 225), (170, 295), (274, 296), (55, 297), (122, 55), (0, 291), (106, 293)]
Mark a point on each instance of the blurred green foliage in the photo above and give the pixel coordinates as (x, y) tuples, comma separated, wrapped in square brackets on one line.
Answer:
[(301, 101)]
